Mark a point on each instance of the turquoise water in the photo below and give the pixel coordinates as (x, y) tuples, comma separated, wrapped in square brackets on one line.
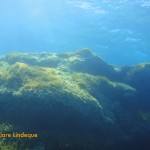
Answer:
[(117, 30)]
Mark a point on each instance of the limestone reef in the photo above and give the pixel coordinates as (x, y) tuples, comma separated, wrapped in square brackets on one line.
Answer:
[(73, 101)]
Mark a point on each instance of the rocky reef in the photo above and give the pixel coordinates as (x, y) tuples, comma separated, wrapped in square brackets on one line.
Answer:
[(73, 101)]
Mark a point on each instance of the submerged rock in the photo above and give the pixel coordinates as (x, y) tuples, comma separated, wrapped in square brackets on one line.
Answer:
[(46, 84), (73, 97), (92, 64), (79, 61), (138, 76)]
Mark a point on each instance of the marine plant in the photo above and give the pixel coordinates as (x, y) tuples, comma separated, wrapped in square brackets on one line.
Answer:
[(13, 57), (22, 79), (137, 70), (57, 100)]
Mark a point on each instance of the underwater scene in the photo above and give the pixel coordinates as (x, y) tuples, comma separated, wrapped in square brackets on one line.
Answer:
[(75, 75)]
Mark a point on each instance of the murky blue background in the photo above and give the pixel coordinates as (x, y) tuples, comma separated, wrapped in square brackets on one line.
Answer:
[(118, 30)]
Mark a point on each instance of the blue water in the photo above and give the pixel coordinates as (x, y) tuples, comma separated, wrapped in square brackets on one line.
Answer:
[(117, 30)]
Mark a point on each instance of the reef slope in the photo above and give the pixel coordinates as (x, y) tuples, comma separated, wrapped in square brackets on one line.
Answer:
[(73, 101)]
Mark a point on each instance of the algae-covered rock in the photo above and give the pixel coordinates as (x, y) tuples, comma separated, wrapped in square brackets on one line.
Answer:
[(79, 61), (34, 59), (135, 74), (138, 76), (88, 62), (21, 80), (70, 98), (37, 98)]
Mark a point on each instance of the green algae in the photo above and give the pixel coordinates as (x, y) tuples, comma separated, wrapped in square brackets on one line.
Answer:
[(137, 69), (11, 58), (4, 127), (45, 90), (21, 79), (8, 145)]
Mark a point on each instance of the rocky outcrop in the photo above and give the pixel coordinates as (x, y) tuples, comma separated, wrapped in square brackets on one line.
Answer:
[(74, 98), (79, 61)]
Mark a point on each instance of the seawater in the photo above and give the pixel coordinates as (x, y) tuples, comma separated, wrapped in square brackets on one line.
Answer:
[(117, 30)]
